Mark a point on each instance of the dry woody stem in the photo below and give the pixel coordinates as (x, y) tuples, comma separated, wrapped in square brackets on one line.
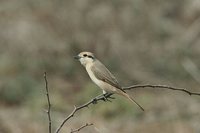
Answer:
[(48, 100), (162, 87), (80, 128), (107, 97), (102, 97)]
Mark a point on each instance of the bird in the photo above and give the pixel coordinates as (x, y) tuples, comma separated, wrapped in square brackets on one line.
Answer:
[(101, 76)]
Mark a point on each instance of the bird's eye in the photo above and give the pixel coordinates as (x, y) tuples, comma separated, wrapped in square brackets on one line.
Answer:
[(85, 55)]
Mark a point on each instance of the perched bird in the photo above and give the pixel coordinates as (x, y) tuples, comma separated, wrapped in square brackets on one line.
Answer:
[(101, 76)]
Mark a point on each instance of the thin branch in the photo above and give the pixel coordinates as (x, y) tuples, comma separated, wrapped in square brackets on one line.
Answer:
[(48, 100), (161, 86), (107, 96), (86, 105), (80, 128)]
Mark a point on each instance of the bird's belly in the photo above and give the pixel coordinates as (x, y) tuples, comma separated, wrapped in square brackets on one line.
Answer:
[(93, 78)]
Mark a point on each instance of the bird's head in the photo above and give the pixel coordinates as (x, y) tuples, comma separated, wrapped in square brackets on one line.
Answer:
[(85, 58)]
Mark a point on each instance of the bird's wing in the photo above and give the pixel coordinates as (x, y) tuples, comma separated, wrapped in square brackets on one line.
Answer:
[(103, 74)]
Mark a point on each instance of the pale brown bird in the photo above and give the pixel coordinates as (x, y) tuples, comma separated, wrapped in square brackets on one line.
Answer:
[(101, 76)]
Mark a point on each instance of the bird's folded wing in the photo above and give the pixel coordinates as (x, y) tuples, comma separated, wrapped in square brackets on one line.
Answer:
[(102, 73)]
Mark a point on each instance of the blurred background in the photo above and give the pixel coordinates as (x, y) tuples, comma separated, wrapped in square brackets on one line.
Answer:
[(141, 42)]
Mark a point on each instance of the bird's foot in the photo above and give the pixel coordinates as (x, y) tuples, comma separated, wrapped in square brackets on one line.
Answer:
[(106, 97)]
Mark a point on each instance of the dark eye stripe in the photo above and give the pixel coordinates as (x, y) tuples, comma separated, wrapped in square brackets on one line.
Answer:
[(85, 55), (89, 56)]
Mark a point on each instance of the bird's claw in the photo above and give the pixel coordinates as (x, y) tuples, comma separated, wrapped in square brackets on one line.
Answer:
[(105, 97)]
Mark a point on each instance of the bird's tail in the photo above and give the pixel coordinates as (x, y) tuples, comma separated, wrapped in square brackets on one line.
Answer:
[(131, 99)]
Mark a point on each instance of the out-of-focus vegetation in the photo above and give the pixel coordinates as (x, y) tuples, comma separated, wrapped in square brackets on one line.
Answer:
[(152, 41)]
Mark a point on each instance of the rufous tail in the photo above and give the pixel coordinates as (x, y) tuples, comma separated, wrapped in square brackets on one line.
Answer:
[(131, 99)]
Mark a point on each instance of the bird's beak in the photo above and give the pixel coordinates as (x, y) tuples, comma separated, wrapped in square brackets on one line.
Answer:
[(77, 57)]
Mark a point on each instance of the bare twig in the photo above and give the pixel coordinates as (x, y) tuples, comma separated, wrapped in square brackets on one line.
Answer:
[(86, 105), (78, 129), (107, 96), (161, 86), (48, 100)]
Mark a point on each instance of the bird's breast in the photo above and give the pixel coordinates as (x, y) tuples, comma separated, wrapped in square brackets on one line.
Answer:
[(93, 77)]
